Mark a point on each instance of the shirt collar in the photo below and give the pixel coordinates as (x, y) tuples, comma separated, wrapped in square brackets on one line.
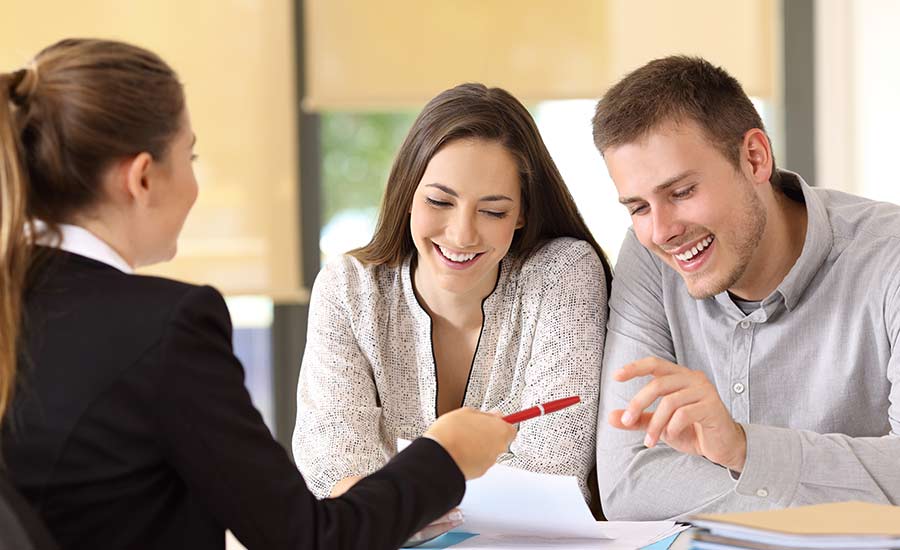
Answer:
[(816, 247), (78, 240)]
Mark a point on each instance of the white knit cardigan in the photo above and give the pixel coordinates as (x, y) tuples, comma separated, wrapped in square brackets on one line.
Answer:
[(368, 373)]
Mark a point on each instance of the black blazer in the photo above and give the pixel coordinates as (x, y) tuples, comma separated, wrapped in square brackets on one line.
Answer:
[(20, 528), (131, 428)]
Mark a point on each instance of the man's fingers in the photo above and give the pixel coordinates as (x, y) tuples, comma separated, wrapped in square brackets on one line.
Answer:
[(648, 366), (615, 420), (684, 418), (656, 388), (668, 405)]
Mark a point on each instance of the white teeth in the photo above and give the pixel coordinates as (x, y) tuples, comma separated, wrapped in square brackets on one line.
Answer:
[(688, 254), (457, 257)]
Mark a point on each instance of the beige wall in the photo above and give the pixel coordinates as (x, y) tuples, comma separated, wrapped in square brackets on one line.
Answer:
[(857, 91), (377, 55), (236, 59), (739, 35)]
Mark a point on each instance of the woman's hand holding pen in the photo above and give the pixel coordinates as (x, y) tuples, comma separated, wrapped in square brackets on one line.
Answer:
[(690, 417), (474, 439)]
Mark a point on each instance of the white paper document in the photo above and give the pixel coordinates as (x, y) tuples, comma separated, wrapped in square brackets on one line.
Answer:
[(513, 508), (511, 500)]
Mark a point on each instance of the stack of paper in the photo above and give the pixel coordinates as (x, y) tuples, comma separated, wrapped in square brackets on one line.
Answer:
[(513, 508), (844, 525)]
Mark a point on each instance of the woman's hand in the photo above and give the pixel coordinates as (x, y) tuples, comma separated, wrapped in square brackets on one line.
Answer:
[(474, 439), (343, 485)]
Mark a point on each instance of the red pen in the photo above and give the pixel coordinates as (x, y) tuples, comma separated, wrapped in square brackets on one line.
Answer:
[(541, 410)]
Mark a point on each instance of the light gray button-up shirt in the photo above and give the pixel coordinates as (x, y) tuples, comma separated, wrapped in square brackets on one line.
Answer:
[(813, 375)]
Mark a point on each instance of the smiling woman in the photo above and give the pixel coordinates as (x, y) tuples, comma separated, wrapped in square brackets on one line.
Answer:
[(481, 287), (464, 226)]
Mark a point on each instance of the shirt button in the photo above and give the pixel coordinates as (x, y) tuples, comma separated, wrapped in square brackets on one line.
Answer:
[(738, 388), (745, 324), (762, 493)]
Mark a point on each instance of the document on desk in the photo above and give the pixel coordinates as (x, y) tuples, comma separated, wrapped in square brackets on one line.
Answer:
[(510, 500), (514, 508)]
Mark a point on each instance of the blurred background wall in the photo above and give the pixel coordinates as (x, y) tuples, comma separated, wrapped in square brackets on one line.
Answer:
[(299, 106), (237, 60)]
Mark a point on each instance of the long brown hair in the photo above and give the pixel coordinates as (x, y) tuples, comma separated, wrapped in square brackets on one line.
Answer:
[(475, 111), (80, 105)]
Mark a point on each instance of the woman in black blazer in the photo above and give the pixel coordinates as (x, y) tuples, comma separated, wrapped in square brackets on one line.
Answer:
[(130, 426)]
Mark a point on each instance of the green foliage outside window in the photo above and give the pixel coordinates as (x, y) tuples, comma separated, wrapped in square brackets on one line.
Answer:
[(358, 150)]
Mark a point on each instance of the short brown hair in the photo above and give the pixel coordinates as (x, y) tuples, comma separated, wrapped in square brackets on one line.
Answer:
[(677, 89), (474, 111)]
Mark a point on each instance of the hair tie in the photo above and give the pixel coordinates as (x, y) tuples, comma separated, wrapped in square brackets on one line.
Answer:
[(23, 84)]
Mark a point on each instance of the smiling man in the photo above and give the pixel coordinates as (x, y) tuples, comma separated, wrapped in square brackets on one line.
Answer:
[(750, 359)]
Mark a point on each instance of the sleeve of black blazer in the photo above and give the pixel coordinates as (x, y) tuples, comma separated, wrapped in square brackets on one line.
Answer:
[(218, 443)]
